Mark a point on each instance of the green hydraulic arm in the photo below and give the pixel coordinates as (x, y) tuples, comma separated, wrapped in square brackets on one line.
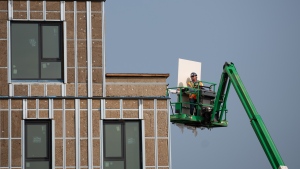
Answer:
[(230, 76)]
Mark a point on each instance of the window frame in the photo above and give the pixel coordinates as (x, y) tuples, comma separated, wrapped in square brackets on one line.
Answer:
[(41, 59), (123, 136), (48, 139)]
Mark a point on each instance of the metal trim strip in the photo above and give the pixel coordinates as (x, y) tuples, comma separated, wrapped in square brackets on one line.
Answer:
[(143, 144), (155, 134), (37, 109), (9, 135), (24, 108), (101, 144), (103, 51), (9, 52), (75, 49), (53, 143), (23, 143), (50, 112), (169, 133), (10, 10), (65, 51), (64, 132), (77, 131), (62, 10), (90, 134), (121, 108), (28, 10), (89, 48), (44, 10), (141, 114)]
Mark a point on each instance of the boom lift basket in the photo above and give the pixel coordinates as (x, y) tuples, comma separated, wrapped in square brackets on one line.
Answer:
[(204, 107)]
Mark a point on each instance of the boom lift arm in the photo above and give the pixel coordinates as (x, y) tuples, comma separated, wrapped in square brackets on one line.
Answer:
[(230, 76), (210, 110)]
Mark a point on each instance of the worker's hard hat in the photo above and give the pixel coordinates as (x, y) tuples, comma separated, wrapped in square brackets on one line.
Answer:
[(193, 74)]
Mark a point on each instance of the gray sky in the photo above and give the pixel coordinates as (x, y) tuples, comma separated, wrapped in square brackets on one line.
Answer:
[(262, 39)]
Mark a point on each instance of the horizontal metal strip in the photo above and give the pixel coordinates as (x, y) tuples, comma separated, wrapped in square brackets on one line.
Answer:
[(156, 137), (122, 109), (83, 166), (84, 97), (135, 83), (127, 109), (149, 166), (71, 138)]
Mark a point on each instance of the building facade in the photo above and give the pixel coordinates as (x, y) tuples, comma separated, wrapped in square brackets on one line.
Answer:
[(59, 108)]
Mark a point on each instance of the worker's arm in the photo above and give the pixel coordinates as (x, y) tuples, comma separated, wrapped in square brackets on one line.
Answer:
[(189, 84)]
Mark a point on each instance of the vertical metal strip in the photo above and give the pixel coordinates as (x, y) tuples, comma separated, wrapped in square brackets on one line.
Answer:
[(65, 51), (143, 132), (102, 109), (75, 49), (62, 10), (10, 89), (63, 89), (169, 133), (50, 113), (89, 48), (101, 131), (64, 132), (29, 90), (90, 134), (37, 101), (23, 143), (28, 10), (143, 144), (141, 109), (24, 108), (53, 143), (45, 89), (103, 51), (121, 108), (101, 144), (155, 134), (10, 10), (8, 51), (9, 134), (77, 126), (44, 10)]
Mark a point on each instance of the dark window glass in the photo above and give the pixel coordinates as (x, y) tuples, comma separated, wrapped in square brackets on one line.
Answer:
[(37, 138), (36, 51), (51, 70), (122, 145), (113, 136), (132, 142), (37, 165), (114, 164), (38, 144), (51, 36), (24, 51)]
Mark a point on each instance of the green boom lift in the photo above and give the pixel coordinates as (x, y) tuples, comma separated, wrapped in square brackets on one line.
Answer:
[(210, 110)]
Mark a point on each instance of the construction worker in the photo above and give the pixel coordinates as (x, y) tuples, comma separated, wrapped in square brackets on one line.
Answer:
[(193, 84)]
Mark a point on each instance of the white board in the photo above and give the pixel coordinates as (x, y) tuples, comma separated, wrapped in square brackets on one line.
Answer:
[(185, 68)]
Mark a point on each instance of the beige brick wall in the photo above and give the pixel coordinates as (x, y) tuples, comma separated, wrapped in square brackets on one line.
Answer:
[(76, 64), (136, 84), (145, 85)]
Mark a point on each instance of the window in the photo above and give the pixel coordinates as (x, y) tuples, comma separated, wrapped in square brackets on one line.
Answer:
[(36, 51), (38, 144), (122, 145)]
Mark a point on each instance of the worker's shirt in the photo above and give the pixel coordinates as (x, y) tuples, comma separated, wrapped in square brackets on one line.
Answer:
[(195, 85)]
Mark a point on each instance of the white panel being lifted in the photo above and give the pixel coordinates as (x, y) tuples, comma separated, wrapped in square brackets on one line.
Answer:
[(185, 68)]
